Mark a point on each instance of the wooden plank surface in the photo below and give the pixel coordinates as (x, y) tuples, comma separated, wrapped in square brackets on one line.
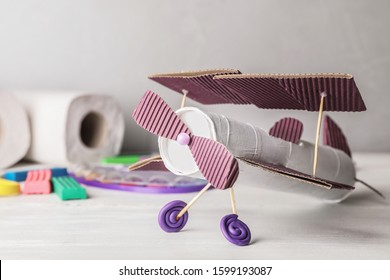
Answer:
[(120, 225)]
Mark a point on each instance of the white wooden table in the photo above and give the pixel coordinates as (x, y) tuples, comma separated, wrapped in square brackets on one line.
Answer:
[(121, 225)]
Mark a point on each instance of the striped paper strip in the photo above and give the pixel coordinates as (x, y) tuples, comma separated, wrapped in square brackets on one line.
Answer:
[(264, 93), (154, 115), (288, 129), (342, 93), (334, 137), (200, 86), (207, 82), (216, 163), (296, 91)]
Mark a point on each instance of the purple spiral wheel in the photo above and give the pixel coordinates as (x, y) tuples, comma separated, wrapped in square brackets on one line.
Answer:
[(167, 216), (235, 230)]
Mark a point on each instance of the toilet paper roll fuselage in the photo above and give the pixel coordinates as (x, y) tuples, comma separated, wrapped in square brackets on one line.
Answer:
[(254, 144)]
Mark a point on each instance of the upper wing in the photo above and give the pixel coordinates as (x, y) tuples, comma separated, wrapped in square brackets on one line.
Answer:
[(297, 91), (201, 86), (267, 91)]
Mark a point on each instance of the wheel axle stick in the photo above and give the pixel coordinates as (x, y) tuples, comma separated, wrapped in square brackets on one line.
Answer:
[(185, 209), (233, 200)]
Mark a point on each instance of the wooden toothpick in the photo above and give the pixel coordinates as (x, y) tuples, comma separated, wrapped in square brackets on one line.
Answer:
[(185, 209), (183, 100), (233, 200), (323, 95)]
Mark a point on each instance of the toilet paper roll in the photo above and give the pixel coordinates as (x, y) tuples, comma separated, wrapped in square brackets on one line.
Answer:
[(72, 127), (14, 130)]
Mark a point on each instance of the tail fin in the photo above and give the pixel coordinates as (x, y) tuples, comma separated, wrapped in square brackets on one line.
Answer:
[(288, 129), (334, 137)]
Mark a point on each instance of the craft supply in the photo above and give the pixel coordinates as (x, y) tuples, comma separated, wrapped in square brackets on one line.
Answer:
[(152, 189), (288, 129), (199, 85), (319, 121), (185, 209), (8, 188), (216, 163), (294, 91), (15, 132), (20, 176), (184, 98), (167, 217), (233, 201), (121, 159), (254, 144), (72, 126), (17, 176), (207, 145), (118, 178), (221, 163), (59, 172), (67, 188), (151, 163), (37, 182)]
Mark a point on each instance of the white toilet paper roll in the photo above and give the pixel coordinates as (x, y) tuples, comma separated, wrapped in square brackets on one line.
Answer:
[(72, 127), (14, 130)]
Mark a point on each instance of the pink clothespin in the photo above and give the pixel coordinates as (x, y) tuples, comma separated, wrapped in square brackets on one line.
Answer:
[(37, 182)]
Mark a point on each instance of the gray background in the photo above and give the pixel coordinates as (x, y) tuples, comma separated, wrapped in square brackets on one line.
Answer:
[(111, 46)]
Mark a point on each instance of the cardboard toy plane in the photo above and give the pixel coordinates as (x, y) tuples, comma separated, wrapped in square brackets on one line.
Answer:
[(211, 146)]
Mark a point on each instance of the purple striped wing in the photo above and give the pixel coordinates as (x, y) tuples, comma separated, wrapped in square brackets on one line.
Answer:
[(155, 116), (298, 91), (288, 129), (334, 137), (264, 93), (215, 162), (201, 86), (342, 93), (208, 83)]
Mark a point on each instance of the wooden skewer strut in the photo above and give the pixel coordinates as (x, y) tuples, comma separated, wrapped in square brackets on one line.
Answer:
[(183, 100), (233, 200), (185, 209), (319, 121)]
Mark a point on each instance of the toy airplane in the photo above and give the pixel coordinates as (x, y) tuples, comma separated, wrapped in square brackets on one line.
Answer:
[(199, 144)]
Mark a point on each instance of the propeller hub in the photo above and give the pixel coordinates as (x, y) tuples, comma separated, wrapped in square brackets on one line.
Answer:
[(183, 139)]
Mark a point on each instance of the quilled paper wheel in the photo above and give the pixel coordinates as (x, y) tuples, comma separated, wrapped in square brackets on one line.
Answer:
[(167, 216), (235, 230)]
